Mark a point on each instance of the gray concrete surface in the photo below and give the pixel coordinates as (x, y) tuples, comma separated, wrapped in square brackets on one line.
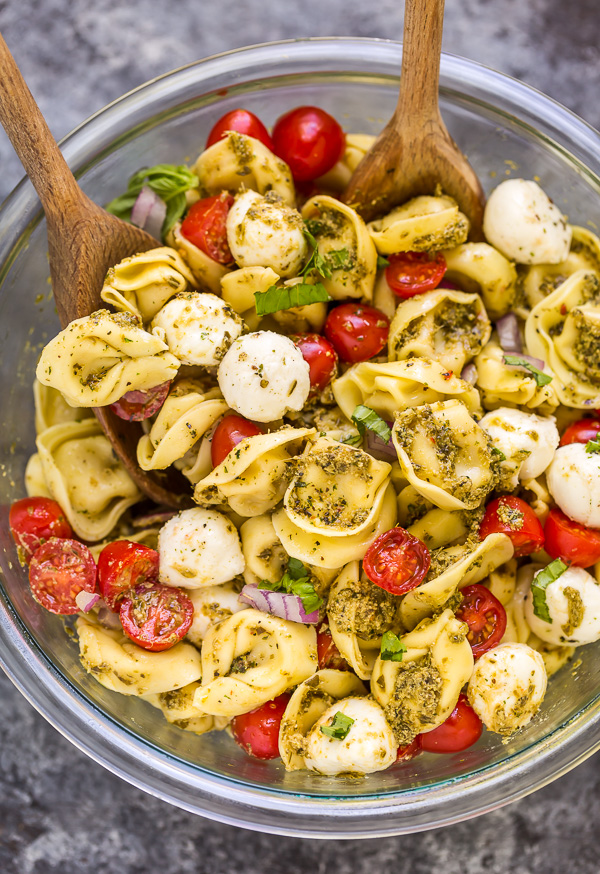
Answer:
[(59, 812)]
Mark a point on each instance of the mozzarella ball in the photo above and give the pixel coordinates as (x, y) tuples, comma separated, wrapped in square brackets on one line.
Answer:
[(522, 222), (263, 375), (507, 687), (198, 327), (528, 441), (369, 745), (199, 548), (263, 231), (211, 605), (573, 602), (574, 482)]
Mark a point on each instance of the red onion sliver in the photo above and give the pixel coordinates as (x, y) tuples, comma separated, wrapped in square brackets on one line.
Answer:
[(158, 517), (535, 362), (108, 618), (86, 600), (149, 212), (381, 449), (451, 286), (279, 604), (140, 404), (469, 373), (509, 334)]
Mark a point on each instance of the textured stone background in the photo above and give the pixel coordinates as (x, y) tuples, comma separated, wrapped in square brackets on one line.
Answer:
[(59, 812)]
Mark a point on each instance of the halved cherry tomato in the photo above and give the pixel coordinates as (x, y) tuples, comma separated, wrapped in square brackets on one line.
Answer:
[(156, 617), (397, 561), (567, 539), (257, 732), (357, 331), (309, 140), (205, 226), (410, 273), (485, 616), (229, 432), (581, 432), (135, 406), (409, 751), (459, 732), (511, 516), (32, 521), (328, 654), (321, 358), (122, 565), (59, 570), (243, 122)]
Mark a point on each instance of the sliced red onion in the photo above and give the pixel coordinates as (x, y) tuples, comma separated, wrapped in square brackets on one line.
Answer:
[(137, 405), (381, 449), (109, 618), (156, 517), (86, 600), (451, 286), (149, 211), (509, 334), (278, 604), (535, 362), (469, 373)]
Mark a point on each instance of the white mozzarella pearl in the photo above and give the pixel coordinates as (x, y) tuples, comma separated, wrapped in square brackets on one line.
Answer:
[(263, 375), (198, 327), (369, 746), (263, 231), (211, 605), (522, 222), (199, 548), (583, 594), (528, 441), (574, 482), (507, 686)]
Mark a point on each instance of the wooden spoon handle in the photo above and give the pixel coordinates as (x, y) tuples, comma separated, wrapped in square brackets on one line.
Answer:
[(420, 78)]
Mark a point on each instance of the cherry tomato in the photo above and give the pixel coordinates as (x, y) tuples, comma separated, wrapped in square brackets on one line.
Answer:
[(397, 561), (135, 406), (229, 432), (327, 652), (459, 732), (33, 521), (122, 566), (309, 140), (567, 539), (410, 273), (511, 516), (485, 616), (409, 751), (205, 226), (581, 432), (156, 617), (257, 732), (321, 358), (59, 570), (357, 331), (243, 122)]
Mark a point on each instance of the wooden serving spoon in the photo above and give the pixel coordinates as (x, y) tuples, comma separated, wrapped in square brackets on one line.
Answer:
[(415, 153), (83, 242)]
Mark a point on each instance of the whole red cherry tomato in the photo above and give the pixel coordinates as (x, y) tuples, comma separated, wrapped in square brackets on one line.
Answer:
[(581, 432), (485, 616), (205, 226), (410, 273), (156, 617), (321, 358), (257, 732), (511, 516), (59, 570), (397, 561), (328, 654), (32, 521), (409, 751), (122, 566), (309, 140), (459, 732), (135, 406), (243, 122), (357, 331), (229, 432), (567, 539)]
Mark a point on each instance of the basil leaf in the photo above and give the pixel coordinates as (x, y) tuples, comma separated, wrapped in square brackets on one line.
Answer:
[(592, 446), (340, 259), (296, 581), (497, 454), (316, 260), (296, 569), (275, 299), (367, 419), (382, 262), (392, 648), (540, 378), (539, 585), (339, 727), (353, 440), (169, 181)]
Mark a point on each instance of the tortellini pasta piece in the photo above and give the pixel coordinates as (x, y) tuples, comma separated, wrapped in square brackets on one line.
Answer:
[(35, 481), (207, 272), (444, 454), (251, 658), (481, 268), (501, 385), (84, 475), (422, 224), (143, 283), (448, 326), (438, 528), (178, 708), (337, 179), (52, 409), (345, 244), (212, 604), (564, 330), (95, 360), (502, 581), (540, 280), (239, 287), (420, 692), (266, 559)]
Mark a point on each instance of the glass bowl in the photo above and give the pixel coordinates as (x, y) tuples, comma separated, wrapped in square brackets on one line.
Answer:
[(505, 128)]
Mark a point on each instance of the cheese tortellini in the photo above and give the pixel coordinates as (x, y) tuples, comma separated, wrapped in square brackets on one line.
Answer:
[(423, 224)]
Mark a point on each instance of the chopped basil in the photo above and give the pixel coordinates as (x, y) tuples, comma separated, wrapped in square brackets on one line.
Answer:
[(392, 648), (382, 262), (339, 727), (170, 182), (539, 585), (367, 419), (275, 299), (540, 378), (497, 454), (353, 440), (296, 581), (316, 260), (339, 259), (592, 446)]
